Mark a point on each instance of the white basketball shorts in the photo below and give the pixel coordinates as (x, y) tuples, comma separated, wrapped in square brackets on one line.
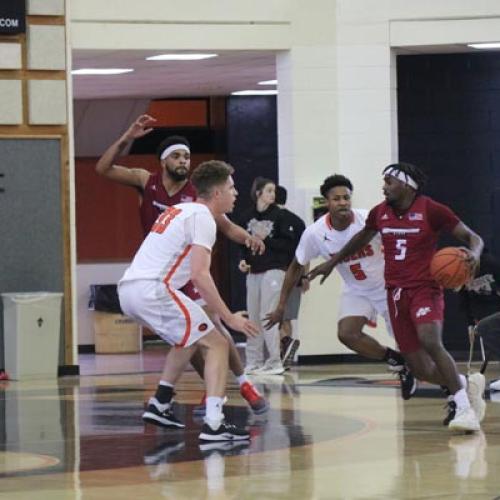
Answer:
[(169, 313)]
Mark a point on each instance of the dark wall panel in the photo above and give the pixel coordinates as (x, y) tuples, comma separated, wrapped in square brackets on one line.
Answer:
[(31, 252), (448, 112), (252, 148)]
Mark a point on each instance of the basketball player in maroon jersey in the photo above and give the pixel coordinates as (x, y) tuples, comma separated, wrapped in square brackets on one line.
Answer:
[(170, 186), (410, 223)]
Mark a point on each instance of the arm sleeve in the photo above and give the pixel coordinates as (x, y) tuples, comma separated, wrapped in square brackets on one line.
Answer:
[(441, 218), (307, 248)]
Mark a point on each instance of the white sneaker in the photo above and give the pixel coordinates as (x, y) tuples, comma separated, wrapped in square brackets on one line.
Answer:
[(252, 369), (269, 370), (475, 390), (495, 385), (465, 420)]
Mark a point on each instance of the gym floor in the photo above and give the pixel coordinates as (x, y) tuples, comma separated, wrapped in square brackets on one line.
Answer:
[(333, 431)]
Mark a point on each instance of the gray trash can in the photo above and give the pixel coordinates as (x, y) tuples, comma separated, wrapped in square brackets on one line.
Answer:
[(32, 331)]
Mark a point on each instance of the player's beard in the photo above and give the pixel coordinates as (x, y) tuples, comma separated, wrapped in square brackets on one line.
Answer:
[(390, 201), (178, 174)]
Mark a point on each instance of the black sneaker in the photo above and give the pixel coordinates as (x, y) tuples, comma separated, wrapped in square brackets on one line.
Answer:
[(164, 418), (225, 432), (408, 383), (289, 347), (451, 408)]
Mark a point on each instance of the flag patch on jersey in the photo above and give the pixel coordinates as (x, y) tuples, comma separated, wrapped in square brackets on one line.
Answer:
[(415, 216)]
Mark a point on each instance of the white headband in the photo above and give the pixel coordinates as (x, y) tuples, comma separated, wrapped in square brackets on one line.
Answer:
[(172, 148), (401, 176)]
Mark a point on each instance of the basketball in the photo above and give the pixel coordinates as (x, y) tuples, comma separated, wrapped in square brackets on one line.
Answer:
[(449, 267)]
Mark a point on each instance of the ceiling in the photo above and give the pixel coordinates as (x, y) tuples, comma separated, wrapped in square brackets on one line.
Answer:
[(232, 70)]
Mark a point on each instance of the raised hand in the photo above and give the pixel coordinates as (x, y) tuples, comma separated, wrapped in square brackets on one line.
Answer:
[(141, 127)]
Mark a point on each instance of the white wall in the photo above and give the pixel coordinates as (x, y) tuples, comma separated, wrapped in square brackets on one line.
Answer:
[(336, 69), (191, 24)]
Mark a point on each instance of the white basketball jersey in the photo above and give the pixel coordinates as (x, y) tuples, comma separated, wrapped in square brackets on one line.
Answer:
[(362, 272), (165, 253)]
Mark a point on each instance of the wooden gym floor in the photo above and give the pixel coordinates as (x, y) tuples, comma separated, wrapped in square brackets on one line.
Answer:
[(333, 432)]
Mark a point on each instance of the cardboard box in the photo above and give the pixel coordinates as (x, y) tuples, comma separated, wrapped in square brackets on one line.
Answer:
[(115, 333)]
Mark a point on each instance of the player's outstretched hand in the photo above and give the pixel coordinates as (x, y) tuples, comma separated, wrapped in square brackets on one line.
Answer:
[(472, 261), (239, 321), (324, 270), (274, 318), (141, 127), (256, 245)]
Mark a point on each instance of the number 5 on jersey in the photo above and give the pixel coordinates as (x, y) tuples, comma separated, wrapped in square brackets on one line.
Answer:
[(401, 247), (357, 272)]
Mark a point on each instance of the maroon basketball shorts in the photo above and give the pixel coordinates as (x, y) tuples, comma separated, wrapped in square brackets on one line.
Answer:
[(410, 307)]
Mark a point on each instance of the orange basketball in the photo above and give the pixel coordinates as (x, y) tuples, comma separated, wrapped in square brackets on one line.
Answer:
[(449, 267)]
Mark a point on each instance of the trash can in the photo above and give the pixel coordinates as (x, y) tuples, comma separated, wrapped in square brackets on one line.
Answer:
[(32, 332), (114, 332)]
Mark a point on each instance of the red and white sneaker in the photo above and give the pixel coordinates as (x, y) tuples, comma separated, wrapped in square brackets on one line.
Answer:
[(254, 398), (201, 409)]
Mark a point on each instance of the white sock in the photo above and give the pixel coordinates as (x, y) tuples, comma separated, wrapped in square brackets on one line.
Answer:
[(166, 384), (463, 380), (461, 399), (214, 415), (242, 379)]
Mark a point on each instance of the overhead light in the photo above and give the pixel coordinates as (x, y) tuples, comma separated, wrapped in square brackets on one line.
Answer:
[(269, 82), (180, 57), (255, 92), (101, 71), (492, 45)]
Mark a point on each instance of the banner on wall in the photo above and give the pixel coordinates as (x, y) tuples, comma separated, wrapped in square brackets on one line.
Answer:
[(12, 17), (319, 207)]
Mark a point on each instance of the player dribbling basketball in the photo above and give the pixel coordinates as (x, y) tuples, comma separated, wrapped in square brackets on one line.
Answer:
[(410, 223)]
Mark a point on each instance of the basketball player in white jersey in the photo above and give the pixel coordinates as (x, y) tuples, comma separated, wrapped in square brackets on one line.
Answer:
[(364, 295), (178, 249)]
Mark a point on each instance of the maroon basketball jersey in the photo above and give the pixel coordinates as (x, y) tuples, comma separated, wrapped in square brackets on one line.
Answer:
[(410, 239), (155, 199)]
